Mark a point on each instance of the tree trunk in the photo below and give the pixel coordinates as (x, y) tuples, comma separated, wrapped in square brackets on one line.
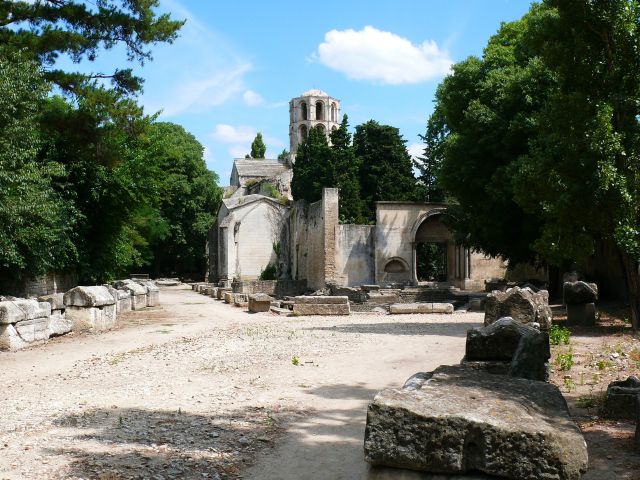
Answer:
[(632, 275)]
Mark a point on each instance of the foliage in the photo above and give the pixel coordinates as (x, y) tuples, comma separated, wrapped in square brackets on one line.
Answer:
[(295, 361), (431, 261), (386, 171), (428, 165), (313, 168), (36, 233), (258, 148), (564, 361), (559, 335), (283, 154), (270, 272), (49, 29)]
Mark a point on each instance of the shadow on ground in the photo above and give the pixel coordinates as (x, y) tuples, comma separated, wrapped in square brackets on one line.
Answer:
[(449, 329), (117, 443)]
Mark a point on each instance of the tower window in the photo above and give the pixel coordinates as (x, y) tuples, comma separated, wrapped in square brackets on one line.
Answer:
[(303, 133), (334, 113), (303, 109), (319, 112)]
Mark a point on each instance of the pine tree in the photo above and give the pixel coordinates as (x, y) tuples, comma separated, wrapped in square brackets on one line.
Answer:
[(258, 148), (313, 169)]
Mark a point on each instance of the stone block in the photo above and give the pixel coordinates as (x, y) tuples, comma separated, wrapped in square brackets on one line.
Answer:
[(32, 308), (476, 304), (9, 338), (95, 296), (228, 297), (221, 291), (369, 288), (620, 400), (524, 349), (55, 299), (11, 313), (214, 292), (138, 302), (59, 324), (321, 309), (382, 298), (457, 420), (208, 291), (87, 318), (34, 330), (405, 308), (575, 293), (241, 299), (153, 298), (522, 304), (259, 302), (133, 287), (322, 300), (581, 314), (124, 301)]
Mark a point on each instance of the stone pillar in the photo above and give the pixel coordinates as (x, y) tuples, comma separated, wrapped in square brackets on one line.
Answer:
[(331, 221)]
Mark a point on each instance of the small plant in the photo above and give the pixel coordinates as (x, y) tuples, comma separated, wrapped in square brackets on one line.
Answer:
[(270, 272), (569, 385), (295, 361), (603, 364), (586, 401), (559, 335), (564, 361)]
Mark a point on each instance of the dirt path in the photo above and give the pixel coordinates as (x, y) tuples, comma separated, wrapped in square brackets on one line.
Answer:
[(201, 389)]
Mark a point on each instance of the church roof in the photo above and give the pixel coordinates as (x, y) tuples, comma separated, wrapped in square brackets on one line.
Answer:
[(236, 202), (315, 93), (258, 168)]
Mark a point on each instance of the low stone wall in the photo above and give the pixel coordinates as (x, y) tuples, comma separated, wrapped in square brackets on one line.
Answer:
[(274, 288)]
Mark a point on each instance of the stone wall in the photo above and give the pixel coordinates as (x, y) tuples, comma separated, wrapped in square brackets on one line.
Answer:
[(355, 254), (277, 288), (51, 282)]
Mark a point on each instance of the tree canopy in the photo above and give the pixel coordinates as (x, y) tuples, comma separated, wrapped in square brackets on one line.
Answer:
[(258, 148), (49, 29), (538, 141)]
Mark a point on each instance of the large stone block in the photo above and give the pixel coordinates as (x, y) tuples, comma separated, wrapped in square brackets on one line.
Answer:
[(87, 318), (321, 309), (382, 298), (321, 300), (59, 324), (55, 299), (34, 330), (241, 299), (9, 338), (133, 287), (124, 301), (11, 313), (579, 292), (138, 302), (620, 403), (405, 308), (581, 314), (259, 302), (229, 297), (95, 296), (456, 420), (522, 304), (221, 291), (525, 349), (214, 292), (152, 291)]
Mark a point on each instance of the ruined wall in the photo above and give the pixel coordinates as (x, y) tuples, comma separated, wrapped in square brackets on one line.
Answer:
[(355, 254), (51, 282), (276, 288), (482, 268)]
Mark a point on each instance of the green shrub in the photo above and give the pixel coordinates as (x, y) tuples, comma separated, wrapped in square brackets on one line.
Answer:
[(559, 335), (270, 272), (564, 361)]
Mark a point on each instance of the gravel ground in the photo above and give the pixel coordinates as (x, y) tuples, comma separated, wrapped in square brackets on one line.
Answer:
[(198, 389)]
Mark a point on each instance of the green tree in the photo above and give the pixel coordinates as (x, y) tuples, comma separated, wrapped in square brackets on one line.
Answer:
[(386, 170), (283, 154), (428, 165), (313, 169), (36, 233), (51, 28), (189, 200), (258, 148), (345, 174)]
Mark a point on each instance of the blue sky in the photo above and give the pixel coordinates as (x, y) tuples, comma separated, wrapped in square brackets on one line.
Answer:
[(237, 64)]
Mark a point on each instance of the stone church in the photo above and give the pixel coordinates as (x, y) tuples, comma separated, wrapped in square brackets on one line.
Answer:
[(260, 228)]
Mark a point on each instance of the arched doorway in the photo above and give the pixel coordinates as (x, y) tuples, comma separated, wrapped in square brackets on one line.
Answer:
[(432, 249)]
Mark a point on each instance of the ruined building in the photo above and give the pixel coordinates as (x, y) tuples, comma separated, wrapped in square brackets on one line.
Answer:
[(259, 227)]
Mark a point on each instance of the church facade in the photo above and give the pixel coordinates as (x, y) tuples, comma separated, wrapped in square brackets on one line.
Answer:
[(260, 229)]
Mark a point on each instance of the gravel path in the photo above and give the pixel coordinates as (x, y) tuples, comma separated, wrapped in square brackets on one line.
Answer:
[(200, 389)]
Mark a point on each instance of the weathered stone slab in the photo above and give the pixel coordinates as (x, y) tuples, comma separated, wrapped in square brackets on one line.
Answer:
[(9, 338), (382, 298), (369, 288), (259, 302), (620, 402), (95, 296), (221, 292), (404, 308), (138, 302), (581, 314), (579, 292), (321, 300), (133, 287), (168, 282), (87, 318), (11, 313), (32, 308), (241, 299), (522, 304), (228, 297), (124, 301), (456, 420), (59, 324), (34, 330), (55, 299), (523, 348), (321, 309)]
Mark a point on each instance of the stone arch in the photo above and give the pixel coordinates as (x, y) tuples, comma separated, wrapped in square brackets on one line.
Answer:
[(321, 128), (319, 110), (303, 111), (334, 112), (432, 244), (396, 269), (303, 133)]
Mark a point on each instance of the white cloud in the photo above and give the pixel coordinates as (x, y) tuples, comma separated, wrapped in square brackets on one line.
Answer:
[(384, 57), (230, 134), (416, 149), (252, 98), (239, 151)]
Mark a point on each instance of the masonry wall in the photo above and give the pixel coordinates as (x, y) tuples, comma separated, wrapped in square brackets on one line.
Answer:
[(51, 282), (355, 254)]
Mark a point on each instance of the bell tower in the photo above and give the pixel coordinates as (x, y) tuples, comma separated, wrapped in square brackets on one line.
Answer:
[(311, 109)]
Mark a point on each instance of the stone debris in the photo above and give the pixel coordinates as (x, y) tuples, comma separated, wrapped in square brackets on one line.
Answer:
[(579, 297), (259, 302), (620, 402), (321, 305), (455, 420), (23, 322), (509, 347), (522, 304), (420, 307), (90, 307)]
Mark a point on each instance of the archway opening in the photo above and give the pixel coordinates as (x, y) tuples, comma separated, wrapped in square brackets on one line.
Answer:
[(303, 109), (303, 133), (433, 243), (334, 113), (319, 111)]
